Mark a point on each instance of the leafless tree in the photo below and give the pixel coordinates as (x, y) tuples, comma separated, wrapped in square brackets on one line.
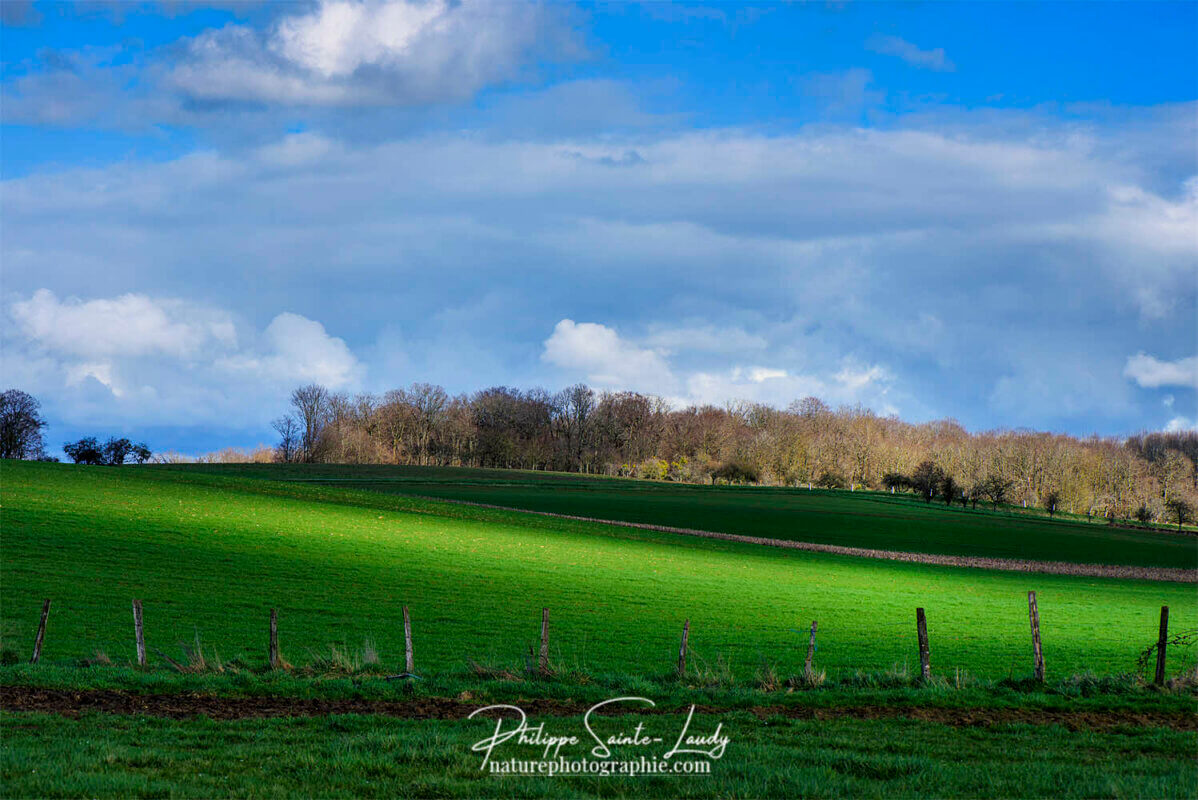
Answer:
[(809, 442), (311, 404), (289, 437), (21, 426)]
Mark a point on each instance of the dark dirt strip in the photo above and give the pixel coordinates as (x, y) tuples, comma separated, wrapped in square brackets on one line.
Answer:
[(1170, 574), (182, 706)]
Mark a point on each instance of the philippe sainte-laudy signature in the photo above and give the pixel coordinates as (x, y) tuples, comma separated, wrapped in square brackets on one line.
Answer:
[(520, 732)]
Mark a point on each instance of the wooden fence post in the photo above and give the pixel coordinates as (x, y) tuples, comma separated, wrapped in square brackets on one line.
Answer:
[(274, 638), (807, 667), (925, 654), (686, 632), (41, 633), (137, 630), (543, 659), (1033, 615), (1160, 646), (409, 663)]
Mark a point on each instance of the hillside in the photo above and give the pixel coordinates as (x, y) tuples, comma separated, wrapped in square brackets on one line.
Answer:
[(852, 519), (209, 555)]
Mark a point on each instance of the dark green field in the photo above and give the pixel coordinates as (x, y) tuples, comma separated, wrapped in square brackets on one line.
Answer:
[(853, 519), (210, 551)]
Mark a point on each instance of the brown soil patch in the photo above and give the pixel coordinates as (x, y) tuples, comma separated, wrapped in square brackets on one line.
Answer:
[(181, 706)]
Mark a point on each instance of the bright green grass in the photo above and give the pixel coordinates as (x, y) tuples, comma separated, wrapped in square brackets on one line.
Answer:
[(212, 554), (854, 519), (100, 756)]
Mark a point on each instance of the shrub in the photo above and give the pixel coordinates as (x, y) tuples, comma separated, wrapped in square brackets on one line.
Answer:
[(830, 480), (113, 452), (736, 472)]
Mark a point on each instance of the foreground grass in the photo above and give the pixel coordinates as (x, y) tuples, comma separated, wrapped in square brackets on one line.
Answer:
[(852, 519), (99, 755), (210, 555)]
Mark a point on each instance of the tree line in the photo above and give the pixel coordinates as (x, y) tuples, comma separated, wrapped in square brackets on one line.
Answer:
[(22, 437), (1151, 477)]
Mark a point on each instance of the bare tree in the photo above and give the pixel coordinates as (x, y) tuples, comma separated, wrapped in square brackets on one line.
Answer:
[(21, 426), (311, 404), (431, 403), (634, 434), (289, 437), (577, 403), (1170, 469)]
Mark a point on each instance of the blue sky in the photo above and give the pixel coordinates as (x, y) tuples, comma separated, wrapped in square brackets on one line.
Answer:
[(980, 211)]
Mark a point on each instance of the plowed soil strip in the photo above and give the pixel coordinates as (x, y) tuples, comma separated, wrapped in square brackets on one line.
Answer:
[(181, 706), (1171, 574)]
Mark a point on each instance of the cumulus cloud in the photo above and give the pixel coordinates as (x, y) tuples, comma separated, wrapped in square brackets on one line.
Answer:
[(164, 360), (827, 244), (327, 56), (850, 384), (1179, 424), (925, 59), (597, 353), (604, 358), (1152, 373), (372, 52), (129, 325), (299, 350)]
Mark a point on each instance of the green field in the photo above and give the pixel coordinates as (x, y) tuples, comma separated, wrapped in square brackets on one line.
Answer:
[(98, 756), (853, 519), (211, 554)]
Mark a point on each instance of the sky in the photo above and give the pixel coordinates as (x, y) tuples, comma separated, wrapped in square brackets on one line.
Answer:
[(985, 212)]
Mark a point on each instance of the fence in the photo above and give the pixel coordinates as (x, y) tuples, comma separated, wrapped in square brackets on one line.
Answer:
[(1154, 656)]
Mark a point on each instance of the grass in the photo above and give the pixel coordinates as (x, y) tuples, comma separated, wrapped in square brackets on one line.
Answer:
[(210, 554), (855, 519), (99, 755), (891, 687)]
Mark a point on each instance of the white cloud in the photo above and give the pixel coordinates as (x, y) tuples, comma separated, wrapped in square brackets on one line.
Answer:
[(606, 360), (826, 242), (911, 53), (99, 371), (854, 378), (1179, 424), (129, 325), (165, 361), (339, 37), (759, 374), (299, 351), (599, 355), (373, 53), (1152, 373), (849, 385)]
